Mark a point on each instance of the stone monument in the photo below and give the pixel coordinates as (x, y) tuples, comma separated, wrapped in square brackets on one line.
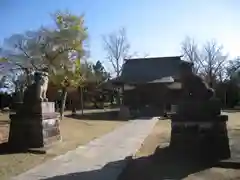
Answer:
[(35, 124), (198, 128)]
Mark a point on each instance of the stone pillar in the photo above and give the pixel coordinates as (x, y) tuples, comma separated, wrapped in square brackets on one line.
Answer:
[(201, 138), (34, 126)]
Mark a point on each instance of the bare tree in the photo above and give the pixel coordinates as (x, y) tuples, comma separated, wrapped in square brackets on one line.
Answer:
[(191, 53), (209, 62), (233, 67), (117, 49), (213, 61)]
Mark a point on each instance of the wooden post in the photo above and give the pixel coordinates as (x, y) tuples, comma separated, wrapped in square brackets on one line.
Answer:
[(63, 102)]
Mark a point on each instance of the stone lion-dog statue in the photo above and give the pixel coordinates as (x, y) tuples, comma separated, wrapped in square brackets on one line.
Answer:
[(38, 90), (42, 86)]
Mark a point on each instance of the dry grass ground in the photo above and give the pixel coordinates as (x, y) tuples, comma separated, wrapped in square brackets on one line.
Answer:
[(74, 133), (146, 166)]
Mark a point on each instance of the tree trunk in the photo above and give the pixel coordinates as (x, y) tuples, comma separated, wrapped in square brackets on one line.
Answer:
[(74, 109), (63, 102), (225, 98), (28, 74), (81, 95)]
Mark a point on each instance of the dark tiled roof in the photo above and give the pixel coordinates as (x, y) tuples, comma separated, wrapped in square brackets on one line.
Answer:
[(150, 69)]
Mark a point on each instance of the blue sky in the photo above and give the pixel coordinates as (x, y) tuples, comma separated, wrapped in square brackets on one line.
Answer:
[(154, 27)]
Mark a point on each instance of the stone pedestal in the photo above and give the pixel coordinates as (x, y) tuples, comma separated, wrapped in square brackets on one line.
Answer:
[(34, 126), (201, 138), (199, 110), (124, 112)]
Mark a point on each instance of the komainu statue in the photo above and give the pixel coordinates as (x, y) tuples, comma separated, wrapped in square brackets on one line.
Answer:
[(42, 86), (198, 128), (37, 91), (197, 97), (194, 88)]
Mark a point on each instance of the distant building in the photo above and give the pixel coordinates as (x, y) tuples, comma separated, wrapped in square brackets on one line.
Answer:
[(151, 82)]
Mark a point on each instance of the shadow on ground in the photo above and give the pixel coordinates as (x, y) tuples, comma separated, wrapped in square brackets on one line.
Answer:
[(164, 164), (5, 148), (105, 115), (108, 172), (161, 165)]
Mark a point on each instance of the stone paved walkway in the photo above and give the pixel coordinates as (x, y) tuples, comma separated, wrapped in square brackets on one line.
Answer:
[(101, 159)]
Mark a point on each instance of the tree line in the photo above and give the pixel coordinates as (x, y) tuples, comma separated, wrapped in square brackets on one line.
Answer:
[(63, 48), (214, 66)]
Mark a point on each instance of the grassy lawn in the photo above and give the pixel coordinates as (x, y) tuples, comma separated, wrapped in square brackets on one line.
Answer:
[(74, 132), (148, 165)]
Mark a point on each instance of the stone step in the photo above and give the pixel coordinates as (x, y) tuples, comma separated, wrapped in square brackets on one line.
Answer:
[(231, 163)]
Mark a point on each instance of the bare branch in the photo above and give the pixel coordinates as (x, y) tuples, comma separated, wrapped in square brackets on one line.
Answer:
[(209, 62), (191, 53), (20, 47), (214, 60), (116, 47)]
